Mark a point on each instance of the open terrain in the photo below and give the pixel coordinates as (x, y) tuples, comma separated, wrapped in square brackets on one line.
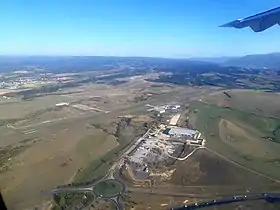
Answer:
[(58, 155), (252, 101), (206, 169), (240, 156), (141, 201), (102, 204), (235, 131), (66, 129), (45, 145)]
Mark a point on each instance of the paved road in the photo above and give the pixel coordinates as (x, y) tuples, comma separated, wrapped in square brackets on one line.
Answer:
[(187, 156), (72, 189), (86, 189), (238, 198)]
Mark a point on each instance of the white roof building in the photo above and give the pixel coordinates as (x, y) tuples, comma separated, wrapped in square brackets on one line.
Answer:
[(181, 132), (62, 104)]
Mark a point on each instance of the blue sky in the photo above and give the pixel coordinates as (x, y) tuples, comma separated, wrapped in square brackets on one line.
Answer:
[(162, 28)]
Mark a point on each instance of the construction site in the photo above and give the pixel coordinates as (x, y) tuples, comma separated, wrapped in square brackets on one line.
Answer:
[(153, 157)]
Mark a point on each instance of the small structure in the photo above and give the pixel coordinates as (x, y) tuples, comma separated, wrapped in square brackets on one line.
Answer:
[(62, 104), (175, 107), (161, 111)]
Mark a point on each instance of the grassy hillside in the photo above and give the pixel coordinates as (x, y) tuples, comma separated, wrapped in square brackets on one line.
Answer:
[(251, 140), (259, 102)]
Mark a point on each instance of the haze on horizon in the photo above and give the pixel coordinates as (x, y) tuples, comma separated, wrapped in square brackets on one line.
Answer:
[(132, 28)]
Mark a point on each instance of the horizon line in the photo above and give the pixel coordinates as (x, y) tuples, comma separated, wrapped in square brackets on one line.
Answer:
[(135, 56)]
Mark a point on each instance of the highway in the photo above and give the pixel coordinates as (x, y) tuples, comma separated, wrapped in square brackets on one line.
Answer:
[(272, 198)]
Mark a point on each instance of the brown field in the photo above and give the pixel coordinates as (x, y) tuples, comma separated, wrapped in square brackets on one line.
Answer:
[(249, 139), (204, 168), (58, 157), (51, 114), (101, 204), (22, 109), (244, 140), (141, 201)]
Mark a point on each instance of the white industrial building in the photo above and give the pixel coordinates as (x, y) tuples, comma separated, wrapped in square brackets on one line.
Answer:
[(62, 104), (182, 132)]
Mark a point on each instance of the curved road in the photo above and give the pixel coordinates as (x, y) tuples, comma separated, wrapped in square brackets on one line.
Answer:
[(187, 156), (108, 176), (87, 189)]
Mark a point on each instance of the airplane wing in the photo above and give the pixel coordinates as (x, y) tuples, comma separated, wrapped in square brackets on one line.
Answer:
[(259, 22)]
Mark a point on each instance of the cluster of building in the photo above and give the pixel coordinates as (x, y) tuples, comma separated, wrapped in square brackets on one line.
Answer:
[(151, 153), (26, 79), (165, 142), (164, 108), (162, 144), (15, 83), (148, 153)]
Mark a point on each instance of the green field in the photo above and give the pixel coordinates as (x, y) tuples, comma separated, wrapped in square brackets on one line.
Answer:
[(259, 102), (72, 200), (108, 188), (245, 138)]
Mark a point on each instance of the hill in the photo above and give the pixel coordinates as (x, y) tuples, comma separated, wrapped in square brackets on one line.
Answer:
[(89, 63), (241, 132), (271, 60)]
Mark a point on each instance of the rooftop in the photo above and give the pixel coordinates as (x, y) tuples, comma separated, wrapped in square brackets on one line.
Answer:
[(181, 131)]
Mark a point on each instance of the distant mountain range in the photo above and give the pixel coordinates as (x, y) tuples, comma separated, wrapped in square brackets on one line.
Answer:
[(217, 60), (271, 60), (92, 63)]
